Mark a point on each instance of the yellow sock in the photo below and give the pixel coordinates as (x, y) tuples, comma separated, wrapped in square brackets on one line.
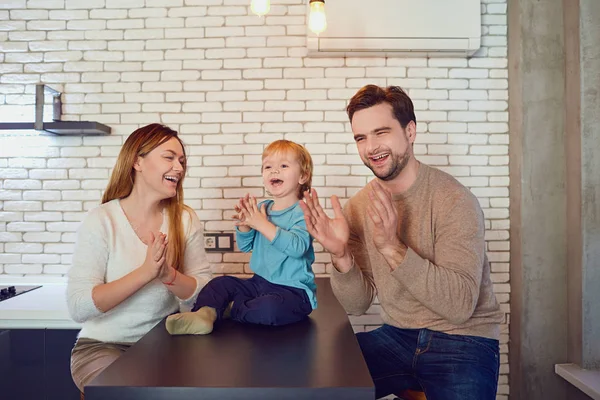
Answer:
[(192, 323)]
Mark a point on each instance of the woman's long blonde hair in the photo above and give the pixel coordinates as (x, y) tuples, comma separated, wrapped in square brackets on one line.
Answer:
[(141, 142)]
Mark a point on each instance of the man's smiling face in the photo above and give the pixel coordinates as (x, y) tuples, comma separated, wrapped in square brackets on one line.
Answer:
[(383, 145)]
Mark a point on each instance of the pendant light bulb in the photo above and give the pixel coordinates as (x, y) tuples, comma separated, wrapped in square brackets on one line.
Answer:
[(260, 7), (317, 21)]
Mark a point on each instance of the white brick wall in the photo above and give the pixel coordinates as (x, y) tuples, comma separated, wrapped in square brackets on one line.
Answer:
[(230, 82)]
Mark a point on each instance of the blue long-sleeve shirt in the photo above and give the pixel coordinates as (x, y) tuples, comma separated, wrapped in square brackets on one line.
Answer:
[(288, 259)]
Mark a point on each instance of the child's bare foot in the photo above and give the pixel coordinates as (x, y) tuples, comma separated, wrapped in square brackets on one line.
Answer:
[(192, 323)]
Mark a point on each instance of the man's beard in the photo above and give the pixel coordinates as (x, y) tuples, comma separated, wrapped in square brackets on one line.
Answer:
[(398, 162)]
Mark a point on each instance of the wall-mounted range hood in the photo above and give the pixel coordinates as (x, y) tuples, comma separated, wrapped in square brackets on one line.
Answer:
[(56, 126)]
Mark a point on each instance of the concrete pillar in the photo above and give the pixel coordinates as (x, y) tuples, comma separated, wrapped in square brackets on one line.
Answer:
[(538, 331), (590, 180), (583, 180), (554, 100)]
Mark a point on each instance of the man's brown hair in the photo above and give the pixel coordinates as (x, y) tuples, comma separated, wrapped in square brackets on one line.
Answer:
[(372, 95)]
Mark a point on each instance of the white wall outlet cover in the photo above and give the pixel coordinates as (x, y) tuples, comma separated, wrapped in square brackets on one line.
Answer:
[(210, 242)]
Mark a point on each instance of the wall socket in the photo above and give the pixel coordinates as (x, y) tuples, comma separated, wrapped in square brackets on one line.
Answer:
[(218, 242)]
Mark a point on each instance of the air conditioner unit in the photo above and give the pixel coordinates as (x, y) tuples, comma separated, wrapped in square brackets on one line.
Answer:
[(398, 28)]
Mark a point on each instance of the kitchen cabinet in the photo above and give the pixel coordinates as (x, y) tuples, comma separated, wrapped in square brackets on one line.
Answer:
[(35, 364), (59, 384)]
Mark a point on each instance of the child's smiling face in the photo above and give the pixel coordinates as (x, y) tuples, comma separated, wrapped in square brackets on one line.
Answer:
[(282, 175)]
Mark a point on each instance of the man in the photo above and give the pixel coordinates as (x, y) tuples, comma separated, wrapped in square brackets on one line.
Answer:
[(413, 237)]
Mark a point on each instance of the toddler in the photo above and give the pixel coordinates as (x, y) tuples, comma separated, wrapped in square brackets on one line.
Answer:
[(282, 290)]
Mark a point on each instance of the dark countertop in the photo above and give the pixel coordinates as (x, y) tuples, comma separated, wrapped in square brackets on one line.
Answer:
[(318, 358)]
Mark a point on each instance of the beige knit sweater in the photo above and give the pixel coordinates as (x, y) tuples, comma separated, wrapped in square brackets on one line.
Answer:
[(443, 283)]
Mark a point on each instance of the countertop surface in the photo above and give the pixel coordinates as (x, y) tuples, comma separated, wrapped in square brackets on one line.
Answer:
[(45, 307)]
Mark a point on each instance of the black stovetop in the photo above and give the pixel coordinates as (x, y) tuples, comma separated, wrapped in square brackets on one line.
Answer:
[(8, 292)]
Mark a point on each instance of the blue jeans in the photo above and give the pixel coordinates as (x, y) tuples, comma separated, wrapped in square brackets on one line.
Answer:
[(255, 300), (445, 367)]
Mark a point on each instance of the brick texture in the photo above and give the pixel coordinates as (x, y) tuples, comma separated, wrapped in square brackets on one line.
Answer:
[(230, 82)]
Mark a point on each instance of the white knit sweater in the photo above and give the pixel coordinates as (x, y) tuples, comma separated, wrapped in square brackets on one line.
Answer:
[(107, 248)]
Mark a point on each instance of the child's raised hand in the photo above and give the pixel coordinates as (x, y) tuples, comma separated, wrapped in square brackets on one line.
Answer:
[(250, 215), (239, 216)]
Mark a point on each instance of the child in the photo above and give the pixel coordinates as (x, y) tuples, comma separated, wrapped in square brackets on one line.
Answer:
[(282, 290)]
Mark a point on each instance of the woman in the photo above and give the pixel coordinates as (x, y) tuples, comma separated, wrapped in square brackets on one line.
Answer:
[(126, 274)]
